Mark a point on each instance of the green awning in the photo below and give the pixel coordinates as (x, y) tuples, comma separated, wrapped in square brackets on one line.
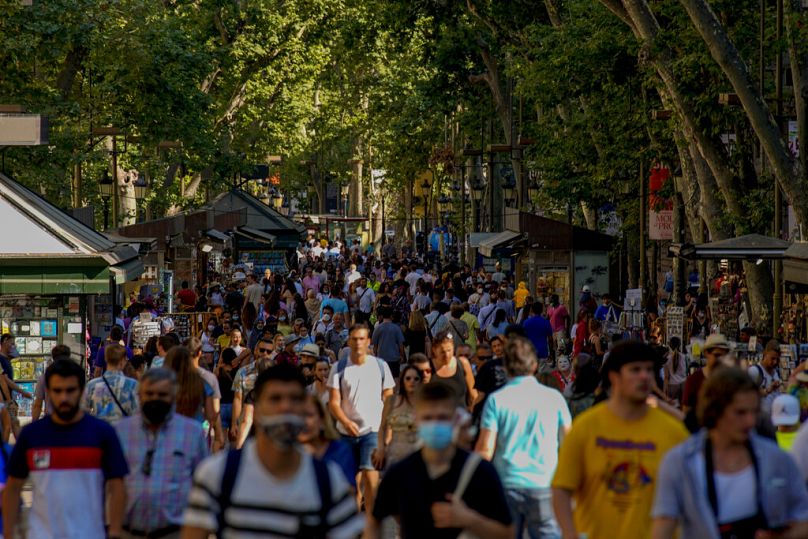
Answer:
[(54, 280)]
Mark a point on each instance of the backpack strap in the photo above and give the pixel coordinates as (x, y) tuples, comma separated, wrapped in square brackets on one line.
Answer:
[(469, 467), (326, 496), (762, 376), (380, 363), (231, 466)]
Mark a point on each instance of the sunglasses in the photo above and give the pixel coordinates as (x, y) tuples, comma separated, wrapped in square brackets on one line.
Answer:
[(265, 350), (146, 468), (426, 370), (484, 357)]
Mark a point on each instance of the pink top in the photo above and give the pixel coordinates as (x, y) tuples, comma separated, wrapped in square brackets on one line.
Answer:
[(557, 316)]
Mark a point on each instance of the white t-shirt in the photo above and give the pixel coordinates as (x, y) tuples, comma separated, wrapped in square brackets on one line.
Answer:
[(263, 502), (412, 280), (361, 389), (736, 495)]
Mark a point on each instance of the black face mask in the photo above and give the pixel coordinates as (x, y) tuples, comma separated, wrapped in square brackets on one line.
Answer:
[(156, 411)]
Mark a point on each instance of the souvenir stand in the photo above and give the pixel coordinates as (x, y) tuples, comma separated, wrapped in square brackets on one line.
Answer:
[(632, 319), (724, 309), (51, 266)]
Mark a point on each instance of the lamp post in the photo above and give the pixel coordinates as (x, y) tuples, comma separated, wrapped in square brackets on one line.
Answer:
[(477, 194), (508, 191), (140, 187), (444, 204), (344, 190), (277, 201), (425, 186), (533, 189), (107, 188)]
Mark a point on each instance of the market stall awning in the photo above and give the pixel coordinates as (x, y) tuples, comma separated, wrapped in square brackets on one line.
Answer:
[(59, 276), (500, 241), (795, 264), (46, 251), (748, 247), (255, 235), (216, 235), (127, 271)]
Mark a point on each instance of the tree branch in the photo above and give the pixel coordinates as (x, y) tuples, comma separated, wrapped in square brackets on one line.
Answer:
[(726, 55)]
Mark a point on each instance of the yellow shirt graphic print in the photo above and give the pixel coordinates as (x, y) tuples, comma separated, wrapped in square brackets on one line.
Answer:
[(610, 465)]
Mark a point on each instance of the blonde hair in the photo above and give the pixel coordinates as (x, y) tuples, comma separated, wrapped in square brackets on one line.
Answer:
[(329, 430), (417, 321)]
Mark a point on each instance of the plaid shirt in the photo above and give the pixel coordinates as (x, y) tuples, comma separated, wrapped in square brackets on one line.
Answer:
[(98, 400), (157, 499)]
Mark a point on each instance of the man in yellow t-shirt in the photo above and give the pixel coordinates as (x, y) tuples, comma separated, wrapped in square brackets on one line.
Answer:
[(608, 462)]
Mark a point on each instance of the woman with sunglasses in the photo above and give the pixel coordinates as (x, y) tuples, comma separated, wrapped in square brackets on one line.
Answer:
[(398, 435)]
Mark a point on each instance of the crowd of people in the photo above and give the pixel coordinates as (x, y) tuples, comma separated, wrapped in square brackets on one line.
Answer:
[(369, 394)]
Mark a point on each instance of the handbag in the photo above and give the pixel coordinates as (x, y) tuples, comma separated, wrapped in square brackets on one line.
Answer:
[(469, 467)]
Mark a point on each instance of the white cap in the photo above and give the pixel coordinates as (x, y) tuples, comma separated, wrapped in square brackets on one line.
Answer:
[(785, 410), (585, 288)]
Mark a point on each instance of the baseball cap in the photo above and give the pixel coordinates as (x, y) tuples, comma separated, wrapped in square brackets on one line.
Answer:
[(785, 410), (802, 376), (585, 288)]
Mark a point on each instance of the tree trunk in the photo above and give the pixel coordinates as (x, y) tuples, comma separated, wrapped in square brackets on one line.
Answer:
[(722, 49), (590, 216), (798, 56), (647, 29)]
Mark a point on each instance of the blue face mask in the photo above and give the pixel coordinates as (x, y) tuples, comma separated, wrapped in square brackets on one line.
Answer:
[(436, 434)]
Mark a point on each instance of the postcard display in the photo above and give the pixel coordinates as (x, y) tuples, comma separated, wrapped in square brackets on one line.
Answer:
[(39, 323)]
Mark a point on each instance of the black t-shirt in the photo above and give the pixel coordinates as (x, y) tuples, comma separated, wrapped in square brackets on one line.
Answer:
[(491, 376), (407, 491), (234, 300), (226, 386)]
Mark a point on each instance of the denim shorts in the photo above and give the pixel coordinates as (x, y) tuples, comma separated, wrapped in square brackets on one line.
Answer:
[(362, 447), (226, 411)]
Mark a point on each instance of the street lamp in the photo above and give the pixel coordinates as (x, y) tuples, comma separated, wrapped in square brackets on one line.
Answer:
[(508, 191), (140, 186), (444, 204), (425, 186), (107, 188), (344, 190), (277, 201)]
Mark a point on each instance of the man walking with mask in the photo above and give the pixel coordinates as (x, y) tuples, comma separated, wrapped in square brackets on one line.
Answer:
[(74, 461), (271, 487), (162, 449), (441, 490)]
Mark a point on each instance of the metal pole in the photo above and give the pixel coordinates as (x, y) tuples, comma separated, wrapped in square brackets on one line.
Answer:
[(643, 226), (462, 236), (778, 197), (106, 213), (679, 276), (115, 191)]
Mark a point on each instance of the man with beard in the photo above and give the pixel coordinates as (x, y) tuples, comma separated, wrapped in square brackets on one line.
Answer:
[(75, 463), (162, 449)]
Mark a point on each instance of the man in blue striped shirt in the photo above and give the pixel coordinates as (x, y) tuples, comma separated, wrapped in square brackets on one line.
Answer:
[(162, 449)]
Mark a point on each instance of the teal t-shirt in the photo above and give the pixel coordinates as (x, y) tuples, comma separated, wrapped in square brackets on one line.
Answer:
[(526, 418)]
